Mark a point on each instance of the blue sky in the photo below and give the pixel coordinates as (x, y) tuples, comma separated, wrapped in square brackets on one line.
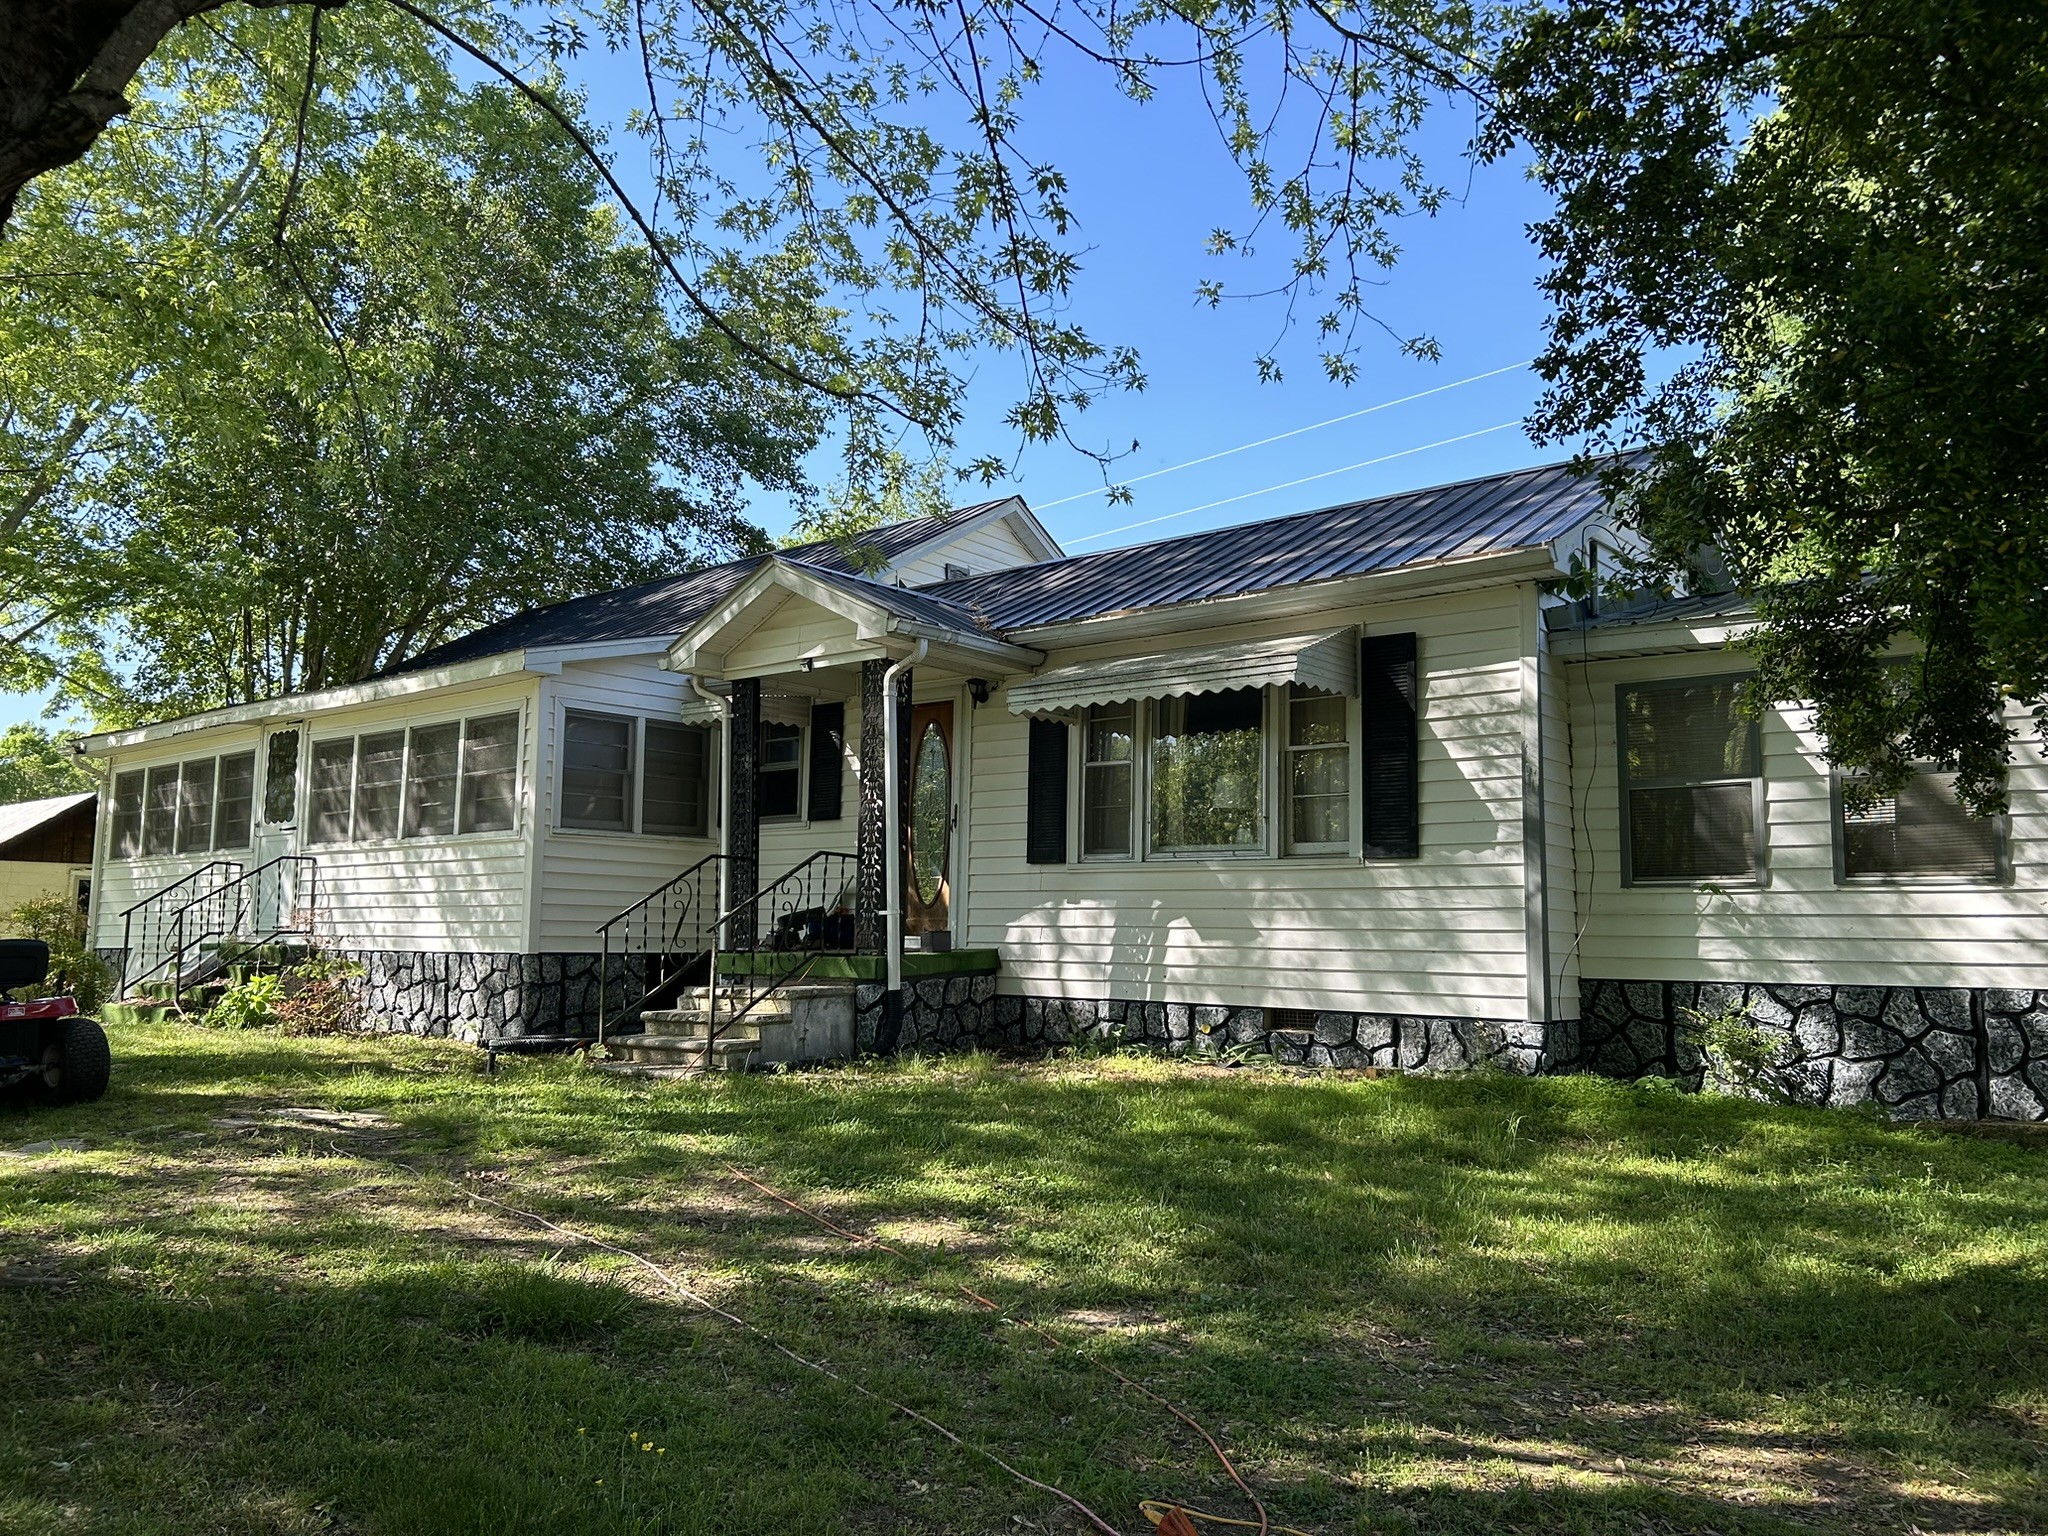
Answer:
[(1148, 183)]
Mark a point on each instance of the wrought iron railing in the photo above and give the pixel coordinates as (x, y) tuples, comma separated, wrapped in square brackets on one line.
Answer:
[(226, 922), (146, 926), (674, 925), (782, 930)]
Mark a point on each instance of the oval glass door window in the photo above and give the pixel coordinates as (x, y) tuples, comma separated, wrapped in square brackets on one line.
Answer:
[(930, 815)]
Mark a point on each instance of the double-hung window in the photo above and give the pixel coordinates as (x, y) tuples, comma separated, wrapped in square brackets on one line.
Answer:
[(456, 776), (1206, 772), (1109, 750), (1921, 833), (621, 773), (1691, 783), (782, 770), (200, 806), (597, 771), (675, 798), (1318, 771)]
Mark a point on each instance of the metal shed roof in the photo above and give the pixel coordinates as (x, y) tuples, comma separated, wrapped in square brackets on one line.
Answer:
[(26, 816), (1491, 515)]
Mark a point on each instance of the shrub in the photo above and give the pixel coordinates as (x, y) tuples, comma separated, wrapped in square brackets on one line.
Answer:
[(250, 1004), (1742, 1058), (75, 971)]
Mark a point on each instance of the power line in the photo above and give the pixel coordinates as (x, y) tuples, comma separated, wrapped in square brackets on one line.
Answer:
[(1304, 480), (1384, 405)]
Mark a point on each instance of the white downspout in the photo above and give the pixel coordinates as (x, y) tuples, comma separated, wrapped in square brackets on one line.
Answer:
[(892, 819)]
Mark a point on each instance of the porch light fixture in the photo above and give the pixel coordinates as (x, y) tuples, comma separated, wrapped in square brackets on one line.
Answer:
[(978, 690)]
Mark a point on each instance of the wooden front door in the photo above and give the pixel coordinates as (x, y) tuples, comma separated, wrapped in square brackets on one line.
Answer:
[(928, 821)]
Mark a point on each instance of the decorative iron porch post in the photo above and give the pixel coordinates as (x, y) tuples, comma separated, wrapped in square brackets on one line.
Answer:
[(742, 779), (871, 827)]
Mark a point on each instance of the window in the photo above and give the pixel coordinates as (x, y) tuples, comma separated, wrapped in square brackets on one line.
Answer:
[(1205, 771), (490, 774), (1318, 771), (235, 801), (1108, 761), (281, 779), (380, 784), (192, 807), (428, 781), (195, 806), (124, 839), (333, 775), (1922, 832), (674, 780), (1691, 782), (433, 760), (160, 810), (782, 764), (597, 771)]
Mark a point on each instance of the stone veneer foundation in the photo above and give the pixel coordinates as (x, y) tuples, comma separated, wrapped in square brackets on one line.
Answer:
[(1960, 1053), (470, 995), (1917, 1052)]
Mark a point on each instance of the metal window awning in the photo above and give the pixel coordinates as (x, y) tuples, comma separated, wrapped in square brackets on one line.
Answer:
[(1327, 661), (776, 709)]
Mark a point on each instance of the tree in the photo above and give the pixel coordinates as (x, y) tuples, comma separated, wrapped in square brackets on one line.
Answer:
[(1833, 215), (34, 765), (300, 404), (873, 163)]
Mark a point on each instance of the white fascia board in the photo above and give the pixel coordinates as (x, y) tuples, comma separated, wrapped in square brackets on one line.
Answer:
[(1034, 533), (1425, 579), (294, 705), (1623, 640), (552, 658)]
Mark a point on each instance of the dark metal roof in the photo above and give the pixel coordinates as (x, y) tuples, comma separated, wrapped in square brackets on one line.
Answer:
[(1491, 515), (672, 604)]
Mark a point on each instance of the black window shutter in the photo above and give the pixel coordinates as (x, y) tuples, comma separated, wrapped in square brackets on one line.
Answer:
[(828, 762), (1045, 794), (1390, 693)]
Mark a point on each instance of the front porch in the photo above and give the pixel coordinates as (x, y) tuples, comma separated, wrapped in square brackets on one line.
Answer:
[(823, 690)]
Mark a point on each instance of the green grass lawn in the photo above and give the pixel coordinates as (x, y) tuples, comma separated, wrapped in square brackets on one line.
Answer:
[(1450, 1305)]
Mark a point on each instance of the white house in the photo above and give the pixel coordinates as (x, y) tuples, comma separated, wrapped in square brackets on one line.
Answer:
[(1352, 786)]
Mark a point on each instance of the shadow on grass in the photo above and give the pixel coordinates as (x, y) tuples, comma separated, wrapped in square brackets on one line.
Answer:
[(1451, 1305)]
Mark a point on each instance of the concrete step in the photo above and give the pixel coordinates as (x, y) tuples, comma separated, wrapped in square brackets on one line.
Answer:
[(724, 1055)]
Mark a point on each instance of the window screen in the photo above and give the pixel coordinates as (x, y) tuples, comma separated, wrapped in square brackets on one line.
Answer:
[(490, 773), (380, 781), (781, 772), (1318, 771), (333, 775), (1690, 765), (433, 760), (234, 801), (673, 801), (1108, 758), (1923, 830), (160, 810), (281, 779), (597, 771), (124, 840), (1207, 753)]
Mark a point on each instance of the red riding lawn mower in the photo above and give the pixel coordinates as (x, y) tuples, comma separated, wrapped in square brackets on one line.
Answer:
[(45, 1044)]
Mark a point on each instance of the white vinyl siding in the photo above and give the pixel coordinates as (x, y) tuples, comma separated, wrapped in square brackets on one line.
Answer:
[(1800, 925), (1440, 934), (991, 547), (425, 893)]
